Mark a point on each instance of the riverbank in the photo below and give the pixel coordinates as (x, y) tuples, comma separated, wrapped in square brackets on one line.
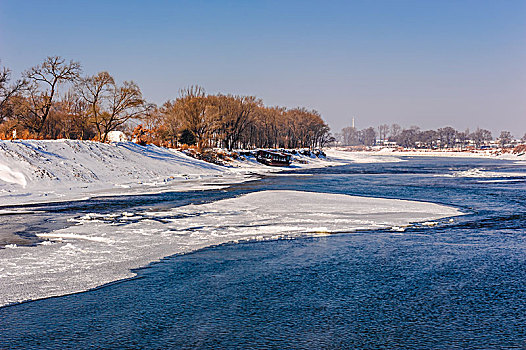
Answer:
[(42, 171), (503, 154)]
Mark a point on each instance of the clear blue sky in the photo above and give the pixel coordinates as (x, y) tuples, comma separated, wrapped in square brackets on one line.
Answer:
[(426, 63)]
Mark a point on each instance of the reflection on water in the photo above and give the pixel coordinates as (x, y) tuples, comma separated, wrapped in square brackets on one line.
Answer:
[(456, 285)]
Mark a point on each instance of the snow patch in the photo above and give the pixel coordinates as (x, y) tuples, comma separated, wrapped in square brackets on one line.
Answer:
[(483, 173), (361, 157), (8, 175)]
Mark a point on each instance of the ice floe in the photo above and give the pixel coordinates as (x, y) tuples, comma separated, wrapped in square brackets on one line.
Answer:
[(99, 249), (483, 173)]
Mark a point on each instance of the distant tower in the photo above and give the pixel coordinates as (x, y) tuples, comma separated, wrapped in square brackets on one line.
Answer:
[(353, 122)]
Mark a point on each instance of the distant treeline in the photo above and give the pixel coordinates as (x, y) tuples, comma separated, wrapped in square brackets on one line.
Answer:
[(53, 100), (413, 137)]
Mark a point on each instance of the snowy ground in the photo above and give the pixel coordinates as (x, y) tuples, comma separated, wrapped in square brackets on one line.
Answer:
[(100, 249), (58, 170), (495, 154), (43, 171), (341, 155)]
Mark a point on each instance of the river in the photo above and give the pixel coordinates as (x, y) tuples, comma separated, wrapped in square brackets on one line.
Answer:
[(459, 284)]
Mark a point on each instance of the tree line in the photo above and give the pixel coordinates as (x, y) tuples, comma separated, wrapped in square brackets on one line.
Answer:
[(54, 100), (414, 137)]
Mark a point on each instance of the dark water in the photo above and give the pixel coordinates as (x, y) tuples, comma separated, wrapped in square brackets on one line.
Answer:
[(458, 285)]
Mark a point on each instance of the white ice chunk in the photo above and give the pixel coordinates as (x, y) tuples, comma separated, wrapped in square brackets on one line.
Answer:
[(95, 252)]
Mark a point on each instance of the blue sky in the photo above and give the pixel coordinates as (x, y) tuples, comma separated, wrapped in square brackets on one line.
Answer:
[(426, 63)]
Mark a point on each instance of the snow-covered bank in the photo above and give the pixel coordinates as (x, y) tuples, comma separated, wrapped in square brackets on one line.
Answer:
[(103, 248), (345, 156), (59, 170), (39, 171), (493, 154)]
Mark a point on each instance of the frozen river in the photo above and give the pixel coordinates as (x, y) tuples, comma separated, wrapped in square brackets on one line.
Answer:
[(441, 284)]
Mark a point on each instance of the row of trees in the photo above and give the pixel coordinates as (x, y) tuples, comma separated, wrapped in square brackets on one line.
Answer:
[(446, 137), (230, 121), (53, 100)]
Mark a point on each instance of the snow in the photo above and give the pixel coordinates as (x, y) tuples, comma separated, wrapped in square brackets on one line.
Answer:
[(58, 170), (43, 171), (483, 173), (9, 175), (100, 249), (117, 136), (344, 156), (495, 154)]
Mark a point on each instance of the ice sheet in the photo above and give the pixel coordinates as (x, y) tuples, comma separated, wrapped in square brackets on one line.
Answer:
[(100, 249)]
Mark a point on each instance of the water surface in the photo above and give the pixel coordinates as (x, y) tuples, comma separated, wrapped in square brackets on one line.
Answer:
[(456, 285)]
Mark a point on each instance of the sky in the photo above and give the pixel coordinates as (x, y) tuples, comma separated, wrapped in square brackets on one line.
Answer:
[(424, 63)]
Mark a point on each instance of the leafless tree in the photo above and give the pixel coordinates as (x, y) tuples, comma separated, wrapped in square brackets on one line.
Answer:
[(382, 132), (233, 115), (367, 136), (505, 138), (447, 136), (481, 136), (7, 91), (395, 130), (45, 80), (350, 136), (110, 105), (195, 113)]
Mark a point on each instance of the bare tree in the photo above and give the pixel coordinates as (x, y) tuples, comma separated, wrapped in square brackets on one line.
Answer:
[(447, 136), (110, 105), (367, 136), (124, 103), (350, 136), (45, 80), (407, 138), (195, 113), (233, 116), (505, 138), (382, 132), (172, 119), (395, 130), (8, 91), (95, 91), (481, 136), (462, 137), (427, 138)]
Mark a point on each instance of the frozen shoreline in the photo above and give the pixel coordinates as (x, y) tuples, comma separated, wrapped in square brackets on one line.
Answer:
[(487, 154), (42, 171), (100, 249), (34, 171)]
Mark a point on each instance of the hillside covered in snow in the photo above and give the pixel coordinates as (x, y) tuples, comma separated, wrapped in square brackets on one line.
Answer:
[(32, 171)]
